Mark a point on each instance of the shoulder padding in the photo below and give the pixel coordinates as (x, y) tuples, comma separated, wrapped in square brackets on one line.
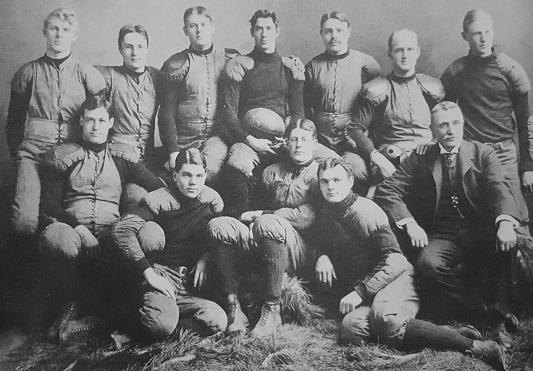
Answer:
[(238, 66), (127, 155), (295, 65), (431, 86), (367, 217), (375, 90), (105, 71), (176, 67), (231, 53), (210, 196), (514, 72), (63, 156)]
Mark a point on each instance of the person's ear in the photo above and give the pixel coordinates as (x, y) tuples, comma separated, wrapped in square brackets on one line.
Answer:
[(463, 35)]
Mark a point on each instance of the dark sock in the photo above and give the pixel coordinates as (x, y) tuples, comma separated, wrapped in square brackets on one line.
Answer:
[(421, 334), (227, 261), (238, 198), (274, 259)]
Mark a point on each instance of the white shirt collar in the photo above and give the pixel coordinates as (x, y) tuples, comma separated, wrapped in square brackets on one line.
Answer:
[(455, 150)]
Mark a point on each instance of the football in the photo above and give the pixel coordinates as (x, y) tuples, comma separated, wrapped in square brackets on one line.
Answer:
[(263, 123)]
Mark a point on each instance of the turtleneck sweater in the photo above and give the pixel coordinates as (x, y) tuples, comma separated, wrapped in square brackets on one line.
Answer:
[(488, 90), (268, 84)]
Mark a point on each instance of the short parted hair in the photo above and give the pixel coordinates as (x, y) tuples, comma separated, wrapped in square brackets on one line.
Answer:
[(132, 29), (336, 14), (444, 106), (200, 10), (191, 156), (331, 162), (94, 102), (404, 30), (264, 14), (303, 124), (65, 14), (473, 15)]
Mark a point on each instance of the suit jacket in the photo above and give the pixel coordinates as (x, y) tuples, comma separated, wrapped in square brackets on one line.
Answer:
[(414, 190)]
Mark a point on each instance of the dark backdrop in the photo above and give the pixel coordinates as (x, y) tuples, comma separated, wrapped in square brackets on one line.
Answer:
[(438, 23)]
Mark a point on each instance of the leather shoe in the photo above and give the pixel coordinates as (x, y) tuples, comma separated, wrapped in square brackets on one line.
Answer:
[(491, 352)]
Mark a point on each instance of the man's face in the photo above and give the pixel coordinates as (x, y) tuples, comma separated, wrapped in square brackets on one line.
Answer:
[(480, 36), (265, 33), (190, 180), (59, 37), (301, 145), (134, 51), (95, 125), (404, 52), (335, 184), (199, 29), (335, 35), (447, 128)]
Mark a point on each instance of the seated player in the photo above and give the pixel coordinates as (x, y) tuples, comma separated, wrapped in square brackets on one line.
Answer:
[(82, 185), (452, 207), (164, 284), (359, 254), (276, 243)]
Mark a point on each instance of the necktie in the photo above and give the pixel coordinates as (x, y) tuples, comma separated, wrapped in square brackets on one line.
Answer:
[(448, 159)]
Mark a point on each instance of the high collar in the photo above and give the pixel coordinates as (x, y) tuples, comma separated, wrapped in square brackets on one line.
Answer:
[(97, 148), (201, 52), (454, 150), (56, 62), (402, 80), (341, 207), (336, 57), (132, 73), (261, 56), (482, 60)]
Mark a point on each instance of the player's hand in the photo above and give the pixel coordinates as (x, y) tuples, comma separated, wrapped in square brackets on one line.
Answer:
[(527, 181), (350, 302), (200, 272), (262, 146), (418, 236), (506, 236), (422, 148), (159, 283), (250, 216), (325, 273), (385, 167)]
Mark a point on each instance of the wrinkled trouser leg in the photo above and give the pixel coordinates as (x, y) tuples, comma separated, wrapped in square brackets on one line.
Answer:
[(360, 172), (131, 196), (509, 161), (159, 315), (385, 320), (243, 172), (216, 152), (279, 248), (25, 207)]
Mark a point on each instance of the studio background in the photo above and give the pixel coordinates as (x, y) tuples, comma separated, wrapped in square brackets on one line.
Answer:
[(437, 22)]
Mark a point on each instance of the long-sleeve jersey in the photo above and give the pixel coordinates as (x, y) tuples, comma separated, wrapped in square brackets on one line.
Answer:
[(41, 90), (356, 236), (489, 90), (261, 80), (83, 186)]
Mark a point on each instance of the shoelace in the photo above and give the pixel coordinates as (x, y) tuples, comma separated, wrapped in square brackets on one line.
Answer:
[(232, 311), (265, 311)]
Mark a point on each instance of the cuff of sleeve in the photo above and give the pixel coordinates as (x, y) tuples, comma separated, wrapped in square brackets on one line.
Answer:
[(526, 164), (401, 223), (360, 290), (141, 265), (508, 218)]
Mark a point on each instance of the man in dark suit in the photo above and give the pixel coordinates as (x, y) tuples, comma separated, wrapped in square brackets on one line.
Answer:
[(454, 207)]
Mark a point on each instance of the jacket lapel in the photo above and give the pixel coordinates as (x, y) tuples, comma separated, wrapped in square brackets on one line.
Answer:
[(435, 166), (464, 159)]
